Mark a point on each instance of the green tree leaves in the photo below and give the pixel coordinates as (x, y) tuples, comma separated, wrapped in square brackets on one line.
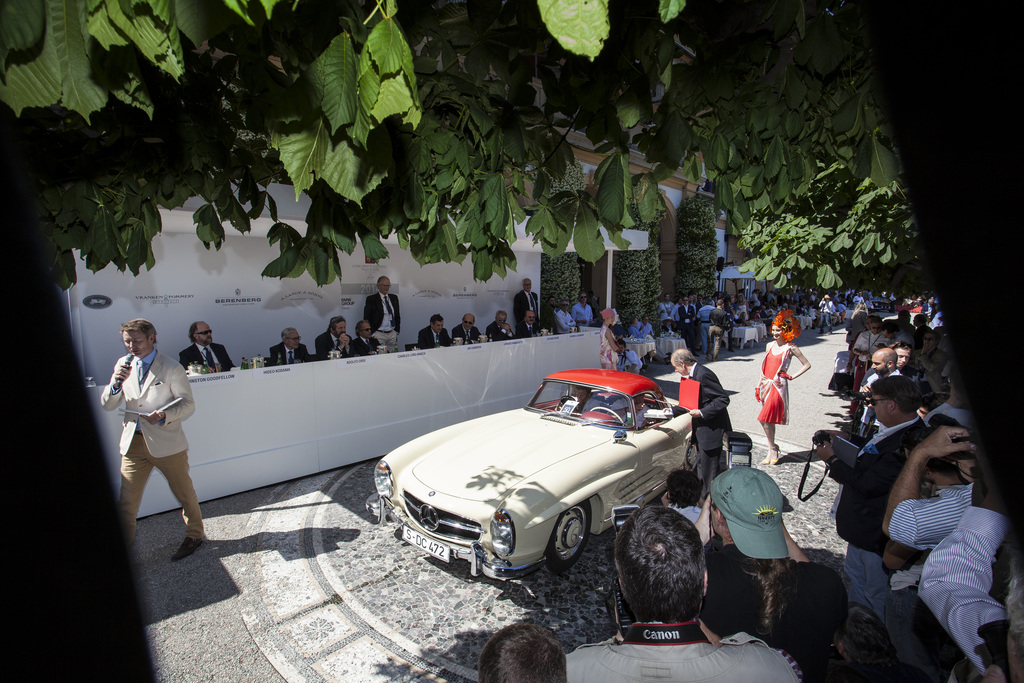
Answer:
[(580, 26), (440, 125)]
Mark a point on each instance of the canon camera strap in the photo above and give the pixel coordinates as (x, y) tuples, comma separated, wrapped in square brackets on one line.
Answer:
[(686, 633)]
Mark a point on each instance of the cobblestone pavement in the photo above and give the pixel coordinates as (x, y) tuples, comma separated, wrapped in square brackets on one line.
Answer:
[(296, 583)]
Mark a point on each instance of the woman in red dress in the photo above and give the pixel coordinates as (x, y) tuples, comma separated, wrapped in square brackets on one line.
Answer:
[(773, 389)]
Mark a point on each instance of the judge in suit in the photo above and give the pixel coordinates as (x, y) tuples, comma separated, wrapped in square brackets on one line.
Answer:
[(710, 417), (434, 334), (500, 330), (145, 382), (528, 327), (381, 310), (466, 330), (364, 344), (289, 351), (524, 301), (334, 338), (203, 350)]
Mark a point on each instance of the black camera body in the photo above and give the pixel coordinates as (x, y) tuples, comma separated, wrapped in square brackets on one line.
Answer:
[(616, 603), (821, 438)]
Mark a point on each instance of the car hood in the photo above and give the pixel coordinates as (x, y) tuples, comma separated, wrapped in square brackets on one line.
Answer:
[(498, 453)]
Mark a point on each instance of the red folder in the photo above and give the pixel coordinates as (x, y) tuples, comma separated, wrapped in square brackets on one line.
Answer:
[(689, 393)]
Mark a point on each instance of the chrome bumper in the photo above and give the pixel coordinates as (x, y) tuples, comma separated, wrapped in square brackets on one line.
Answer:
[(474, 554)]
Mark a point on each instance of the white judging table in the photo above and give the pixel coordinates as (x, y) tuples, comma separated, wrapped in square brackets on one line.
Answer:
[(253, 428), (666, 345), (745, 334)]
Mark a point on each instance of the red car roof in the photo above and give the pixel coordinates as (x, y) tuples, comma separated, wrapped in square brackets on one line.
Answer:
[(626, 382)]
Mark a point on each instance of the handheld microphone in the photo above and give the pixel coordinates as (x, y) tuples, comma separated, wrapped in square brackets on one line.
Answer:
[(127, 362)]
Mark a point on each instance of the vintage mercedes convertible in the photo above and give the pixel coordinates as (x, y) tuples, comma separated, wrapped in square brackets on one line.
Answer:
[(512, 491)]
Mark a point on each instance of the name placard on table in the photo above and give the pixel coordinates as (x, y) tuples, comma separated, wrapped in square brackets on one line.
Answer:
[(214, 377), (276, 370)]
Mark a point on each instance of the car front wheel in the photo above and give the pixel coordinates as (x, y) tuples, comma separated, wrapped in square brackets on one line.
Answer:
[(569, 538)]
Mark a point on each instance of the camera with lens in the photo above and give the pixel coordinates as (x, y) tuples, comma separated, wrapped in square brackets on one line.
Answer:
[(821, 438), (616, 603), (855, 396)]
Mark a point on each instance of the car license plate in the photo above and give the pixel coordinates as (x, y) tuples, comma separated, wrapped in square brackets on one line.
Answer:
[(438, 550)]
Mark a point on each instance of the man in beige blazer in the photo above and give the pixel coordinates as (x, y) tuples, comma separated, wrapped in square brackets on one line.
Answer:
[(145, 382)]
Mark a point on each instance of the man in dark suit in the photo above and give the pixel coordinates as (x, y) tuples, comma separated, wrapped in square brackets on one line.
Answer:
[(381, 310), (289, 351), (528, 327), (203, 350), (710, 417), (524, 301), (500, 330), (434, 334), (466, 330), (866, 487), (334, 338), (364, 344)]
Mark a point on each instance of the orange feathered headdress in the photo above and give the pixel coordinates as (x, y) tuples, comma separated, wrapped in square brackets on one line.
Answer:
[(787, 322)]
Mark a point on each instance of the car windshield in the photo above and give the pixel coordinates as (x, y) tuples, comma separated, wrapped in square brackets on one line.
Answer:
[(593, 404)]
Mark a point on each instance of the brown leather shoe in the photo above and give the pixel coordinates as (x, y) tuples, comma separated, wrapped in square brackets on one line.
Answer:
[(188, 546)]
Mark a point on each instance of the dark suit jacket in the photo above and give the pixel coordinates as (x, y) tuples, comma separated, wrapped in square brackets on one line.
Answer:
[(192, 355), (278, 351), (523, 332), (712, 403), (373, 311), (866, 491), (363, 347), (426, 338), (498, 334), (324, 343), (520, 305), (460, 331)]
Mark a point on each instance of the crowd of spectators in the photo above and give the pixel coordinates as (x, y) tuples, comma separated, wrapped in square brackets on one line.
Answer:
[(934, 584)]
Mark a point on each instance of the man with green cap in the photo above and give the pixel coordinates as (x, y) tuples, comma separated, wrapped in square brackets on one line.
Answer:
[(760, 581)]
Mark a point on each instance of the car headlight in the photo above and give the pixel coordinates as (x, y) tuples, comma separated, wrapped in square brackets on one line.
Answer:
[(382, 480), (503, 533)]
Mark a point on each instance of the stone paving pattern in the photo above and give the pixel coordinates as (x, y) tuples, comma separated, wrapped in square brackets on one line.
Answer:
[(296, 583)]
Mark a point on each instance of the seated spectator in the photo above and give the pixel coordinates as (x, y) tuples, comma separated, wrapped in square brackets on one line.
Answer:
[(903, 353), (926, 501), (528, 327), (547, 314), (500, 329), (953, 406), (682, 493), (761, 582), (932, 360), (203, 350), (958, 574), (522, 653), (334, 338), (582, 313), (434, 335), (290, 351), (563, 318), (660, 561), (629, 360), (920, 327), (891, 333), (864, 644), (634, 329), (466, 330), (365, 344)]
